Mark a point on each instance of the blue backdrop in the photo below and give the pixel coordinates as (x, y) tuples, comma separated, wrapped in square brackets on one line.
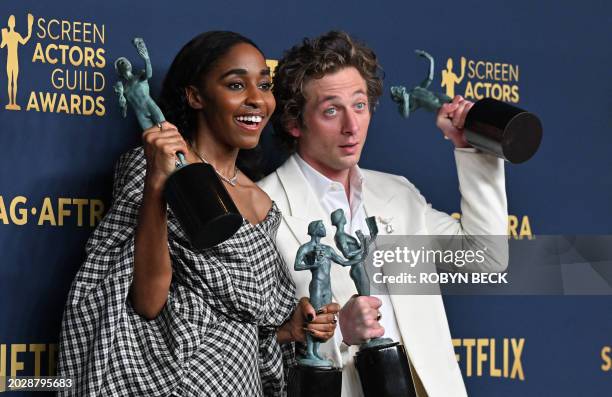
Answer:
[(555, 59)]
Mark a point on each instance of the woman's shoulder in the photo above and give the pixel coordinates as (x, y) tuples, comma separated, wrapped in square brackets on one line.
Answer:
[(129, 170), (133, 158)]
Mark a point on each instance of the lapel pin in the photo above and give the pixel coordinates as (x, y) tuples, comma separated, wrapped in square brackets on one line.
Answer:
[(387, 223)]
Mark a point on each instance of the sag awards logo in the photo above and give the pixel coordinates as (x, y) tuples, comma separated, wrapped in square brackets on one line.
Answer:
[(68, 53), (476, 79), (272, 64)]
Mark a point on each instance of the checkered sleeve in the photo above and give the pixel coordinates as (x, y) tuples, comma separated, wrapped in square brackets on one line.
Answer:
[(105, 347)]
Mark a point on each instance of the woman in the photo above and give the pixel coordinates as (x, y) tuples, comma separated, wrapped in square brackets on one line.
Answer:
[(146, 314)]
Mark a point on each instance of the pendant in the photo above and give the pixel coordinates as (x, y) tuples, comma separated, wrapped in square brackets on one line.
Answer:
[(233, 181)]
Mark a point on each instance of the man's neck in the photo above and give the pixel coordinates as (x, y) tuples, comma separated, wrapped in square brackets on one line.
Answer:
[(340, 176)]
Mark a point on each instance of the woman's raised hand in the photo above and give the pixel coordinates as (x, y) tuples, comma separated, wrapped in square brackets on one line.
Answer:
[(161, 142)]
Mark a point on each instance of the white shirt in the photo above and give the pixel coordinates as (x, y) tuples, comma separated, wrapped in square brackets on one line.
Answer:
[(333, 196)]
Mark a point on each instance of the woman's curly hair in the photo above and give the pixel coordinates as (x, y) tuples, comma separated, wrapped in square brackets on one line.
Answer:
[(313, 59)]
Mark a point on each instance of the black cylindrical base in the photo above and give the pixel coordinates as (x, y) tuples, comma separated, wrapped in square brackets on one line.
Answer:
[(384, 371), (503, 130), (202, 205), (311, 381)]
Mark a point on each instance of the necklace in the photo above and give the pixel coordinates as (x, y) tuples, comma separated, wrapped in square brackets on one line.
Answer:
[(233, 181)]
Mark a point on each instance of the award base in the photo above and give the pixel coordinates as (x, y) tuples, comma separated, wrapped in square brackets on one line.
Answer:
[(202, 205), (376, 342), (307, 381), (503, 130), (384, 371)]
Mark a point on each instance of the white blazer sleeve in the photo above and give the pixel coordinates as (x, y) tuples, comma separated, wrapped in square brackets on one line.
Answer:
[(484, 209)]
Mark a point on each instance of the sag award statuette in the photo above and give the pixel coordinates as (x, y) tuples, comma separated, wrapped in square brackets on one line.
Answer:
[(382, 363), (194, 192), (491, 126), (315, 376)]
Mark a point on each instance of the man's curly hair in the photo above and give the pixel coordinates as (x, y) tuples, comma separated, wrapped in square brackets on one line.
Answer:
[(313, 59)]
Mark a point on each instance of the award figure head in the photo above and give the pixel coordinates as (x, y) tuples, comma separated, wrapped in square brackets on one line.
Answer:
[(316, 229), (123, 68)]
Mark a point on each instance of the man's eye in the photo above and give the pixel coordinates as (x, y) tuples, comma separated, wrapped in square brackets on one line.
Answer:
[(331, 112), (361, 106), (235, 86)]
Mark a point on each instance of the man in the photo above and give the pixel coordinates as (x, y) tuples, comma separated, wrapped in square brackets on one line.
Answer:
[(326, 90)]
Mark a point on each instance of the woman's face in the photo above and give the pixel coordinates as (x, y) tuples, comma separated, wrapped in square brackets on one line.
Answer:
[(237, 97)]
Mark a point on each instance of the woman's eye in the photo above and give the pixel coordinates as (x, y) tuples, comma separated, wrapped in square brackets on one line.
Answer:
[(361, 106), (235, 86), (267, 86), (331, 111)]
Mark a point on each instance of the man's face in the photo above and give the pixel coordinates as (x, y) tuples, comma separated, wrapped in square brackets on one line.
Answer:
[(336, 118)]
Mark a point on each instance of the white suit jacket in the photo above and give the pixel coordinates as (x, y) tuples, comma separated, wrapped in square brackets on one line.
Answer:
[(421, 318)]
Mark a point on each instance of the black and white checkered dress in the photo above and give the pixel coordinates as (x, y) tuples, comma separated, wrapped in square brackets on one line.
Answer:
[(216, 333)]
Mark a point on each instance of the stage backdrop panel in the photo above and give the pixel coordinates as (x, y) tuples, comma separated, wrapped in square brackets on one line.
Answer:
[(64, 132)]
